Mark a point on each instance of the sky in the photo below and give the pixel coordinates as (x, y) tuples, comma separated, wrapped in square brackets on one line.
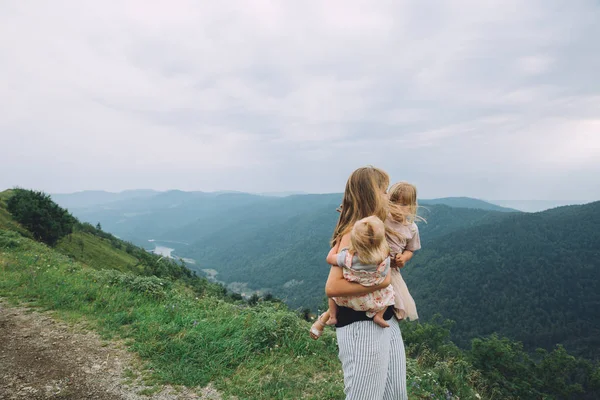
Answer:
[(488, 99)]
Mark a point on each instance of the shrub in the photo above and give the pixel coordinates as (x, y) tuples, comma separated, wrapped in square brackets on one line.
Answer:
[(150, 286), (10, 240), (36, 211)]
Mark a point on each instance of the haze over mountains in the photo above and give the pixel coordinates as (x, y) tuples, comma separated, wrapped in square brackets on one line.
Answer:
[(88, 198), (533, 277), (537, 205)]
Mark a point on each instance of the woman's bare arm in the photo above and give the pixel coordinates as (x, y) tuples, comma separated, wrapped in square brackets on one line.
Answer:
[(338, 286)]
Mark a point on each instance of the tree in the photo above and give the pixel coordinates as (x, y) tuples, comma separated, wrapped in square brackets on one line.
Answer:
[(508, 371), (40, 215), (305, 314), (253, 300), (98, 226), (269, 297)]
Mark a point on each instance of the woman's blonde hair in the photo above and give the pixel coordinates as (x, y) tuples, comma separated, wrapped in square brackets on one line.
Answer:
[(363, 197), (368, 241), (403, 203)]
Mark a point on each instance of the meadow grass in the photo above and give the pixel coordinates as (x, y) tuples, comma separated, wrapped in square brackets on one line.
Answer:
[(249, 352), (96, 252)]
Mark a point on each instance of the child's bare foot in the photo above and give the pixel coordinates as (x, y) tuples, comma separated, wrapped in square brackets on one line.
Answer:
[(378, 319), (332, 320), (316, 330)]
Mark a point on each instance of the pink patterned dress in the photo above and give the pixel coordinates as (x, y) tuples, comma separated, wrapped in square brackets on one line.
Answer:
[(409, 239), (366, 275)]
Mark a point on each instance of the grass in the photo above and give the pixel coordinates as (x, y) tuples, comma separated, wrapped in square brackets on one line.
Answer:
[(184, 339), (258, 352), (96, 252)]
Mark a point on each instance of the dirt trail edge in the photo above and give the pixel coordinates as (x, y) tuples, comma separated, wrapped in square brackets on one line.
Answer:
[(42, 358)]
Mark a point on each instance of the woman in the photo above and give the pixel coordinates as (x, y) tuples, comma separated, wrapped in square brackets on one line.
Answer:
[(373, 358)]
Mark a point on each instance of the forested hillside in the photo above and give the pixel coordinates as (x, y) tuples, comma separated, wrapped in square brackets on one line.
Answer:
[(286, 255), (531, 277)]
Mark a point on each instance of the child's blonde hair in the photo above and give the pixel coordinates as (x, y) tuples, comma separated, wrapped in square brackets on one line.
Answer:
[(403, 203), (368, 242)]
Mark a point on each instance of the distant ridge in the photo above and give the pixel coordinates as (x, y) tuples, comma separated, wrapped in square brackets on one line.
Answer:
[(91, 198), (467, 202), (538, 205), (281, 194)]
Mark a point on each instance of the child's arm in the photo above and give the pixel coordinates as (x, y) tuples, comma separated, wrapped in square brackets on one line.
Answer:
[(332, 256), (413, 245), (403, 258)]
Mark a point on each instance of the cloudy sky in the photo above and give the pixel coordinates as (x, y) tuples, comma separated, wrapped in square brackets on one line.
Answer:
[(490, 99)]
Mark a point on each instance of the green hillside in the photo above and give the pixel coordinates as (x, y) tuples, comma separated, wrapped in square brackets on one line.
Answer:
[(185, 336), (532, 277), (171, 318), (191, 332), (277, 245), (97, 252)]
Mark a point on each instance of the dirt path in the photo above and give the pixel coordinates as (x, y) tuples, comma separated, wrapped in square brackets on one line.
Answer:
[(41, 358)]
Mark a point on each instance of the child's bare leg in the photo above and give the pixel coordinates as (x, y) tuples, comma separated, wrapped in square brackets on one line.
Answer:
[(332, 313), (378, 319), (317, 328)]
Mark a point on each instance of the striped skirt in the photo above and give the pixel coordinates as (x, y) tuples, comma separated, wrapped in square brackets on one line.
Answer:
[(373, 361)]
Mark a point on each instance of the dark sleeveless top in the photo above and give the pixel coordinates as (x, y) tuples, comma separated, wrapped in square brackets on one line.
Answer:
[(346, 315)]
